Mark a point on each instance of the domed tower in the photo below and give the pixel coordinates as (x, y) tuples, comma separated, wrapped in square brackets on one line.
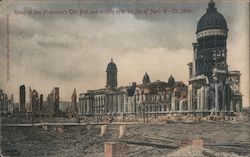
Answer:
[(111, 74), (210, 50), (171, 80), (146, 79)]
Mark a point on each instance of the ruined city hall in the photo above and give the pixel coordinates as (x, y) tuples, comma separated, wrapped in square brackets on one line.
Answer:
[(212, 87)]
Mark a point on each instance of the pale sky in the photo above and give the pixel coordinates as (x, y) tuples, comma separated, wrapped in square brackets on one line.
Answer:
[(72, 51)]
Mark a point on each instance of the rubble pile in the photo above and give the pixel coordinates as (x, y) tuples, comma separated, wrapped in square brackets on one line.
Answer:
[(105, 119), (167, 118), (215, 118), (220, 139), (193, 151), (143, 139), (74, 141), (243, 117), (130, 118), (178, 118), (189, 118)]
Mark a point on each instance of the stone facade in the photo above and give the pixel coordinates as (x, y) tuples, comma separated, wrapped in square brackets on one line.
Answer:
[(6, 104), (53, 102), (72, 110), (34, 107), (149, 97), (34, 101)]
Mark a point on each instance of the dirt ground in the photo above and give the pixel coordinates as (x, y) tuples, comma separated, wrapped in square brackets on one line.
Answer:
[(142, 139)]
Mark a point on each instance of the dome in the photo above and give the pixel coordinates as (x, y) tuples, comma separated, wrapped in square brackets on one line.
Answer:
[(146, 79), (171, 80), (211, 19), (111, 66)]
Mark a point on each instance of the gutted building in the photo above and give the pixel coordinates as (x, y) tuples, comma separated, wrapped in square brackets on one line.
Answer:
[(148, 97), (6, 104), (212, 86)]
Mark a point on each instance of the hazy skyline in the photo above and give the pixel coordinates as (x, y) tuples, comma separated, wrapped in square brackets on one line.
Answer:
[(72, 51)]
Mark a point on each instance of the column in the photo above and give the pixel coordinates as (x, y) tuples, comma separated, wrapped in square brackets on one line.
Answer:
[(118, 102), (198, 99), (87, 106), (173, 103), (125, 103), (180, 105), (190, 97), (237, 106), (206, 98), (216, 96), (202, 99), (231, 106)]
